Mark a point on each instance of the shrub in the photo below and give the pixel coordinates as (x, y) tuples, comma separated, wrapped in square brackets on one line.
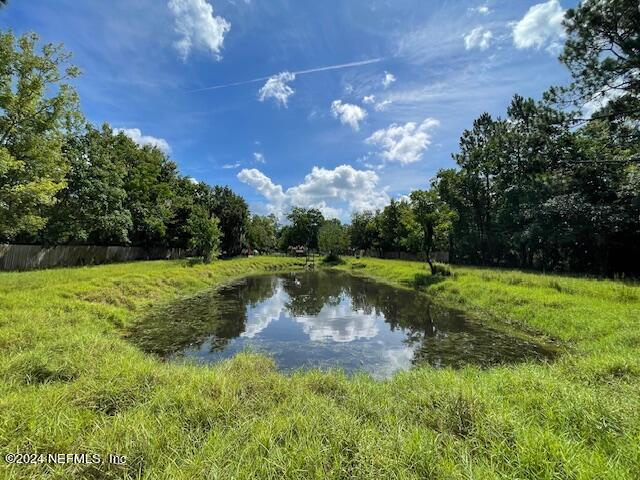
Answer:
[(442, 269), (333, 259), (205, 233)]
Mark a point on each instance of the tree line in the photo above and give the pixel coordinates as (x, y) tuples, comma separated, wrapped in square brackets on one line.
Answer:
[(63, 181), (545, 186)]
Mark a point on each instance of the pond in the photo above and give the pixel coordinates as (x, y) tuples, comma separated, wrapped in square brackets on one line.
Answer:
[(327, 319)]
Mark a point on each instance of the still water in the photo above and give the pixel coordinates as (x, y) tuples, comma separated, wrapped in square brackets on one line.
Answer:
[(326, 319)]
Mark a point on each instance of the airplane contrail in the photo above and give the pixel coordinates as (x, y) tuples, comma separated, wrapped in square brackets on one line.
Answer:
[(299, 72), (336, 67)]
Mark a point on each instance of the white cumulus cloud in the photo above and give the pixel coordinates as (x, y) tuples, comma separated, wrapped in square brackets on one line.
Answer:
[(388, 79), (259, 157), (263, 184), (348, 114), (404, 143), (541, 25), (369, 99), (334, 192), (277, 88), (197, 27), (479, 37), (136, 135)]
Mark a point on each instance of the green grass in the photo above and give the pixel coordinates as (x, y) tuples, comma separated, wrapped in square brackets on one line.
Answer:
[(70, 383)]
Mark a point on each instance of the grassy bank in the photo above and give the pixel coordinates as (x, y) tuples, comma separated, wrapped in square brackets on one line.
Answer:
[(70, 383)]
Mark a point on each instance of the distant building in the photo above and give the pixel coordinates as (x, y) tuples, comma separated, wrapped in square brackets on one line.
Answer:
[(297, 251)]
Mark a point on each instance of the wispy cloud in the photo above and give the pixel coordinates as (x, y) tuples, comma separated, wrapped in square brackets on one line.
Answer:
[(230, 166), (382, 106), (481, 9), (388, 79)]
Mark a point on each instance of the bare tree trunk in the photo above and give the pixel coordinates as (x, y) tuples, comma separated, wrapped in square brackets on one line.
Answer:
[(430, 262), (428, 245)]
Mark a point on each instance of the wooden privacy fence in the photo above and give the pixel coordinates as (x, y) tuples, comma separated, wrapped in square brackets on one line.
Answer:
[(31, 257), (435, 256)]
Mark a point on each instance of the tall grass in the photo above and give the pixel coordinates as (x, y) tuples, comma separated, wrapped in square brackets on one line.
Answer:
[(70, 383)]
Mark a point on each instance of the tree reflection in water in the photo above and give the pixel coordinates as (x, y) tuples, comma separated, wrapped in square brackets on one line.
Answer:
[(327, 318)]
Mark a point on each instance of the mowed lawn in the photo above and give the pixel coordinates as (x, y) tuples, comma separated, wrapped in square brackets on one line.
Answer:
[(71, 383)]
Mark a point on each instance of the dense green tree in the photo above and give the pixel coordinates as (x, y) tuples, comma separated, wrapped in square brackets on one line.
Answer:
[(184, 199), (149, 185), (333, 240), (91, 208), (507, 169), (233, 212), (412, 232), (390, 227), (602, 52), (262, 233), (284, 236), (205, 234), (479, 159), (362, 231), (304, 227), (36, 104), (599, 215), (537, 142)]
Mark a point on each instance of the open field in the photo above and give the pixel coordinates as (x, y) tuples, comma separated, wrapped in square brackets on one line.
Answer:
[(71, 384)]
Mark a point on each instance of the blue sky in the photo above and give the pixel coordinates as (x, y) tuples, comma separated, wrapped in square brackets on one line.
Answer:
[(405, 78)]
